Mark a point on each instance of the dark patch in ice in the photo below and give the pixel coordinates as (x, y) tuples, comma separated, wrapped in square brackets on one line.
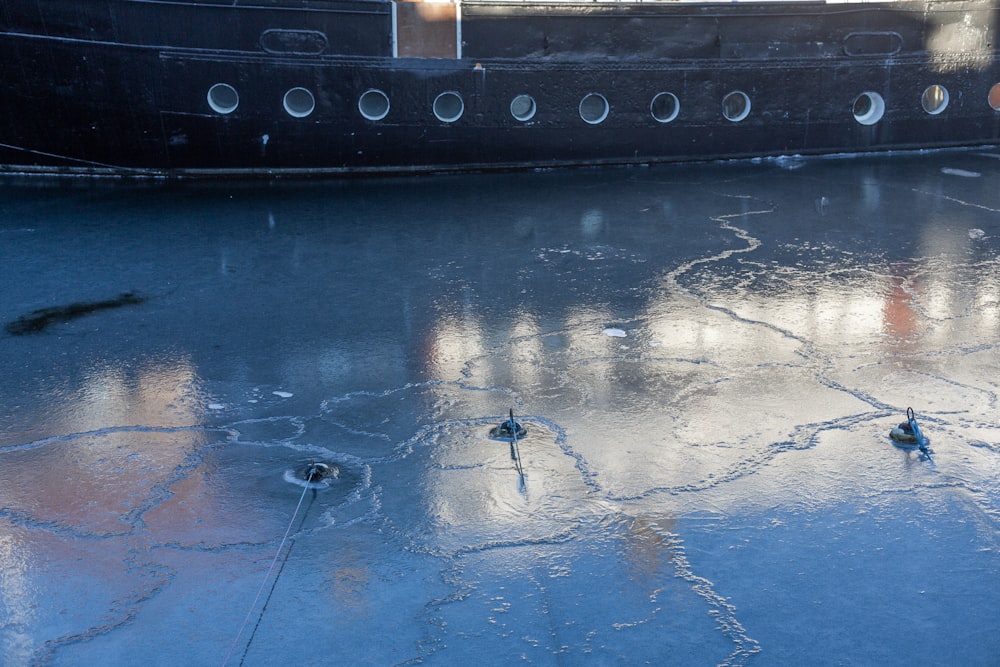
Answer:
[(39, 320)]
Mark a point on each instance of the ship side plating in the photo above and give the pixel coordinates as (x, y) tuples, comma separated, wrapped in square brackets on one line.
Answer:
[(282, 86)]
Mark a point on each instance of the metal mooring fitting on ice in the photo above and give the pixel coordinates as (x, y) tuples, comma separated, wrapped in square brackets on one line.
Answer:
[(313, 471), (508, 428), (908, 433)]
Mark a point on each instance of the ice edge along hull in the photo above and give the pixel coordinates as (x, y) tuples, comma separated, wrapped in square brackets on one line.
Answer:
[(123, 87)]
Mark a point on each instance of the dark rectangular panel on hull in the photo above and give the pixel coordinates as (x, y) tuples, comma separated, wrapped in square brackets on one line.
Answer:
[(771, 31), (349, 27), (531, 35), (58, 18), (79, 106), (354, 29)]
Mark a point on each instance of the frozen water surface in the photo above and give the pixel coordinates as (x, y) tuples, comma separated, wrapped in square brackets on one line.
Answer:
[(708, 361)]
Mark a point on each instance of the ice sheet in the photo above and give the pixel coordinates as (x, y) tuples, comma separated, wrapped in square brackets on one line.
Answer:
[(708, 361)]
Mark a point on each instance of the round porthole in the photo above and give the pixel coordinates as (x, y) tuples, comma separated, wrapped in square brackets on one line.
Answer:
[(373, 104), (448, 107), (594, 108), (223, 98), (523, 107), (868, 108), (299, 102), (736, 106), (665, 107), (994, 97), (935, 99)]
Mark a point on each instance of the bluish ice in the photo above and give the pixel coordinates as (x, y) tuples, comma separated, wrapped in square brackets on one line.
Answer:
[(707, 359)]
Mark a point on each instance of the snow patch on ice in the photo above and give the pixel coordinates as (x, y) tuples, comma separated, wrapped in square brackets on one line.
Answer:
[(960, 172), (790, 162)]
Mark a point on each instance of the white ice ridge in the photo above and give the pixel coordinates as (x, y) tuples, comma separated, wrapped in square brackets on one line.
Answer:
[(670, 279), (960, 172), (98, 432), (723, 610), (956, 200)]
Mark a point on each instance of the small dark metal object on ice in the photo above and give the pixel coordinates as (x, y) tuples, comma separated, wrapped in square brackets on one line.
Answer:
[(314, 472), (508, 429), (39, 320), (908, 433), (511, 430)]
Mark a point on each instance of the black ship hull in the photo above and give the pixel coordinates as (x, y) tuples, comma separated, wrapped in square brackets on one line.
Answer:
[(300, 87)]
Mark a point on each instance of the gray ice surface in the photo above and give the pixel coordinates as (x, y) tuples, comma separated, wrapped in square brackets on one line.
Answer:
[(708, 360)]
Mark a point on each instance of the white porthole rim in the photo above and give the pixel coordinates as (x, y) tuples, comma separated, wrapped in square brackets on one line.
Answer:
[(374, 104), (299, 102), (744, 100), (675, 107), (523, 101), (439, 108), (875, 110), (223, 98), (935, 99), (585, 113)]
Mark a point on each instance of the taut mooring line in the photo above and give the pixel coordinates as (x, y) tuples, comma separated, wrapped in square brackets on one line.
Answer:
[(515, 451), (270, 569)]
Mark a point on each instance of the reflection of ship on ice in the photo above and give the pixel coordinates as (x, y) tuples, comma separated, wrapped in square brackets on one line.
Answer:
[(345, 86)]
